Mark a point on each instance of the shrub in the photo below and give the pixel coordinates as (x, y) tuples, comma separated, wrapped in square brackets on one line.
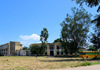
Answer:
[(86, 64)]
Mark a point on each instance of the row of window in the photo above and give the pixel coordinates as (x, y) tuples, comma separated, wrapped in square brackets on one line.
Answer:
[(58, 47), (60, 53), (89, 53), (4, 50), (3, 53)]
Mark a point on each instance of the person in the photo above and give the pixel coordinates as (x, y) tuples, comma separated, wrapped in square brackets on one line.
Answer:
[(4, 54), (36, 55)]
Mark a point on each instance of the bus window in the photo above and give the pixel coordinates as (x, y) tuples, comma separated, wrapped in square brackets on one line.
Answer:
[(82, 53)]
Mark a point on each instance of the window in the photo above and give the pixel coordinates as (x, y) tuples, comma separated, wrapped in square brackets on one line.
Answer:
[(57, 53), (6, 49), (82, 53), (18, 44), (51, 46), (57, 46), (61, 53), (62, 47)]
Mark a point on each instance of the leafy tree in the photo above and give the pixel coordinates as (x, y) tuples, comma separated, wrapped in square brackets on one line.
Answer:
[(43, 38), (91, 3), (92, 48), (25, 48), (57, 40), (96, 38), (74, 30), (80, 50), (44, 35), (35, 49), (43, 49)]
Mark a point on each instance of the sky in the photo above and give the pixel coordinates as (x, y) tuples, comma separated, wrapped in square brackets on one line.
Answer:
[(23, 20)]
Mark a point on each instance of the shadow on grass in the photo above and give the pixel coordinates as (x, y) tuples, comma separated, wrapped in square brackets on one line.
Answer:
[(66, 56), (68, 60)]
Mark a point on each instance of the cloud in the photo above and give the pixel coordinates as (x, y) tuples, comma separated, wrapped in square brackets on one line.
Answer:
[(26, 40), (30, 37)]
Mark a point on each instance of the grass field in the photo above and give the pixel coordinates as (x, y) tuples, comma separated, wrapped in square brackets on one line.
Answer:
[(41, 63)]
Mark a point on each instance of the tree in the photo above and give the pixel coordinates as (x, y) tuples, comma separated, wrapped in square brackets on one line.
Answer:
[(92, 48), (96, 38), (44, 35), (57, 40), (91, 3), (74, 30), (25, 48), (35, 49), (43, 38)]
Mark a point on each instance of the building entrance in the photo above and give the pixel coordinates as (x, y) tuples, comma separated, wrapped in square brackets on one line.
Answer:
[(51, 48)]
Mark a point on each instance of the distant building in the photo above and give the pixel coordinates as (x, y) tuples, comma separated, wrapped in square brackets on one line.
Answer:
[(23, 53), (53, 49), (10, 49)]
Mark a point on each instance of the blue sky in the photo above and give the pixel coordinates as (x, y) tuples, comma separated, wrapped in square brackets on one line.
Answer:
[(23, 20)]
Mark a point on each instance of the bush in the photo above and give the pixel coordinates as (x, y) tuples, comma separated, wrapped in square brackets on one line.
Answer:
[(35, 49), (1, 54), (86, 64)]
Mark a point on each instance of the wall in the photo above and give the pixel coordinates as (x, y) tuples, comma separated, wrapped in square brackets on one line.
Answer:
[(12, 48), (18, 46)]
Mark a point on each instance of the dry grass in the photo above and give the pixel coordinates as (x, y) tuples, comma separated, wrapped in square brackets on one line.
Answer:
[(40, 63)]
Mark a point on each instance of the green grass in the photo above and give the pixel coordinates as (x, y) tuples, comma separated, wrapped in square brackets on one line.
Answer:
[(86, 64), (95, 63), (89, 63), (20, 69)]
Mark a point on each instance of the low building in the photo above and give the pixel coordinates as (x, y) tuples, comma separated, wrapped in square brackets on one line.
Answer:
[(53, 49), (23, 53), (10, 49)]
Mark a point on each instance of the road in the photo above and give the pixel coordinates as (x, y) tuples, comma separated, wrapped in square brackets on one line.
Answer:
[(92, 67)]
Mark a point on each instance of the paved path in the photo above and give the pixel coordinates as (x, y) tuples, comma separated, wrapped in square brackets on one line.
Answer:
[(93, 67)]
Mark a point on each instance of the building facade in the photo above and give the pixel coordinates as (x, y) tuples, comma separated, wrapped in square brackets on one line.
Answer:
[(10, 49), (53, 49)]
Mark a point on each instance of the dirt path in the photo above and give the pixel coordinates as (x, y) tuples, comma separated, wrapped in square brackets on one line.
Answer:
[(93, 67)]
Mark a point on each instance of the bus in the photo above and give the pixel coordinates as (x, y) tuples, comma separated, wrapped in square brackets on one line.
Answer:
[(89, 54)]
